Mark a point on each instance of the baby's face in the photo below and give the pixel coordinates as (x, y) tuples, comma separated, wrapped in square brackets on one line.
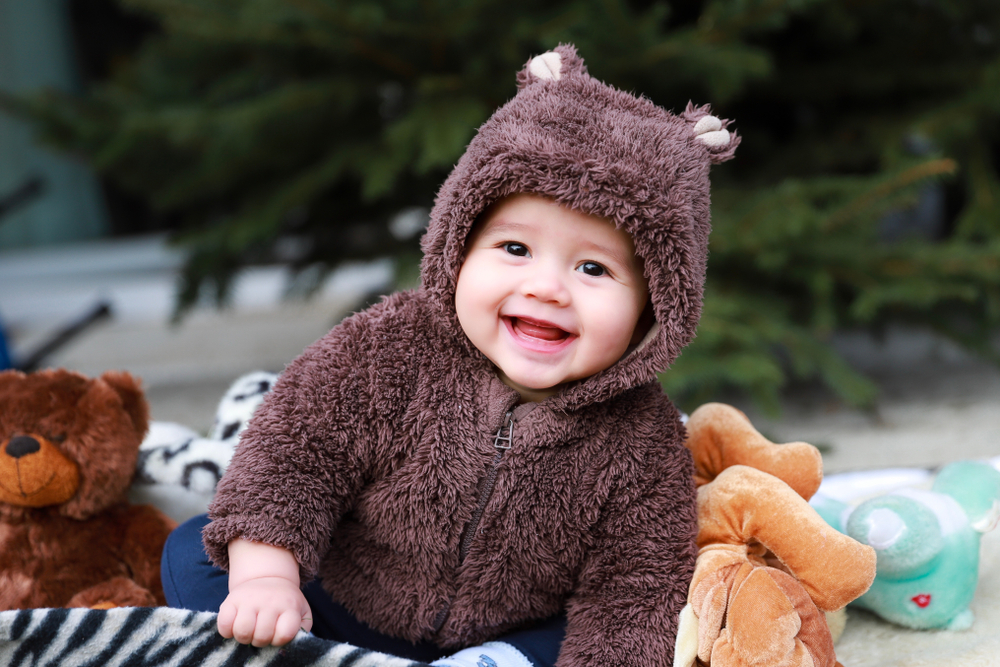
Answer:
[(548, 294)]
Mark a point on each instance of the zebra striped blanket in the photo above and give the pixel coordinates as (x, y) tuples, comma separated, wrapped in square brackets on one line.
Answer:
[(164, 637)]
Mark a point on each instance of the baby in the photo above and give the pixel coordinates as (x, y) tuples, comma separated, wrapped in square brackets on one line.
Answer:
[(487, 464)]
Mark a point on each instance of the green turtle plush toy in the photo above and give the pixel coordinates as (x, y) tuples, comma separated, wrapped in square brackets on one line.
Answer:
[(927, 544)]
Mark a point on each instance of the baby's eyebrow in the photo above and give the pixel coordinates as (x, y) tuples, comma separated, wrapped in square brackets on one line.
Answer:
[(502, 226)]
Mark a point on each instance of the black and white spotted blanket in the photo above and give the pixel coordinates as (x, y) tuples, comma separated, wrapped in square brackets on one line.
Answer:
[(161, 637)]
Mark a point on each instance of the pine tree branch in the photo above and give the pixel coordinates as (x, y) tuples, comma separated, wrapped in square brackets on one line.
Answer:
[(882, 191)]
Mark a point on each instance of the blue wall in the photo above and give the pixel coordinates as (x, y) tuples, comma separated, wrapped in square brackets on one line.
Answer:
[(36, 51)]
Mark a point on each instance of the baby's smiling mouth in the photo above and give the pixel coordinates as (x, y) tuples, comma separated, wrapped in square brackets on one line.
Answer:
[(537, 329)]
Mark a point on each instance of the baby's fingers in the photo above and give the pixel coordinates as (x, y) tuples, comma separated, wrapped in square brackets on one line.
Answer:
[(247, 626), (227, 615), (263, 633), (287, 626)]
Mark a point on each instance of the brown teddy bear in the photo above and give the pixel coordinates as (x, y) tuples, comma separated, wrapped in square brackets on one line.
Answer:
[(68, 536)]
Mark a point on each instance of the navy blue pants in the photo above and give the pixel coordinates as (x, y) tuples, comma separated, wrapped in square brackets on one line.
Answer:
[(191, 581), (5, 361)]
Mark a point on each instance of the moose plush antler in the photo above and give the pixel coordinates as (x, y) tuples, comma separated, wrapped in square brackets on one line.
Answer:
[(768, 566)]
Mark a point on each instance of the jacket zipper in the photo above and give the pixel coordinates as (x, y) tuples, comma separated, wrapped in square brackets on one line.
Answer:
[(502, 441)]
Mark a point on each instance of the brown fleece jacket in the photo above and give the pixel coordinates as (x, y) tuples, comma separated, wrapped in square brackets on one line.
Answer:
[(376, 460)]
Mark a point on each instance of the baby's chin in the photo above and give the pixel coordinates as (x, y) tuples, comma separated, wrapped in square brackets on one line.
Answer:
[(530, 390)]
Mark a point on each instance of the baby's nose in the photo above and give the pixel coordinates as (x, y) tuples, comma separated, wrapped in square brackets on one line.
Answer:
[(546, 284)]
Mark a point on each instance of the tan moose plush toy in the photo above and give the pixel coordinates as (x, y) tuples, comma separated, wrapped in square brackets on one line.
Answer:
[(68, 536), (768, 565)]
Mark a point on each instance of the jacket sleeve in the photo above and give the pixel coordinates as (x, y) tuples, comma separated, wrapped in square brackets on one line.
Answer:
[(308, 449), (635, 580)]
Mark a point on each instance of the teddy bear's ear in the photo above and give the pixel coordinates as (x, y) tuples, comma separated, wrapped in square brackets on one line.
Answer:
[(133, 400), (553, 65), (9, 377)]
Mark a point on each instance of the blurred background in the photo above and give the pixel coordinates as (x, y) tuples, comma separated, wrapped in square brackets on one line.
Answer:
[(194, 189)]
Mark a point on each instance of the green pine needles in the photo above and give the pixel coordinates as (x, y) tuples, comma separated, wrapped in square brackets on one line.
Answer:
[(865, 191)]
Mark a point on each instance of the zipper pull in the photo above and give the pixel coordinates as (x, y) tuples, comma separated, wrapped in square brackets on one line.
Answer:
[(501, 439)]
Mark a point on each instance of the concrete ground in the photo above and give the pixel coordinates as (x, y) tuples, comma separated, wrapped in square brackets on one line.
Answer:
[(936, 404)]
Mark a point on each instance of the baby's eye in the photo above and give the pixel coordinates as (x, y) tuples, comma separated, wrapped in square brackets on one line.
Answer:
[(518, 249), (592, 269)]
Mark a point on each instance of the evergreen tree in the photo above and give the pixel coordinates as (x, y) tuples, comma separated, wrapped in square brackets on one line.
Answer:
[(864, 191)]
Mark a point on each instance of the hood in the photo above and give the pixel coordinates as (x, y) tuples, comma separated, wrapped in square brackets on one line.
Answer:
[(567, 136)]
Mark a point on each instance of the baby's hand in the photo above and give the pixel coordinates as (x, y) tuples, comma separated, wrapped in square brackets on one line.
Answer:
[(268, 610), (265, 605)]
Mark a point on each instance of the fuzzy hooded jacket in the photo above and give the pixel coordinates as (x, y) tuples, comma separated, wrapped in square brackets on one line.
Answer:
[(394, 464)]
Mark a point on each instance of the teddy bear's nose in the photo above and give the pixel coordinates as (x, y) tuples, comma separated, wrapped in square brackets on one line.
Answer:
[(22, 445)]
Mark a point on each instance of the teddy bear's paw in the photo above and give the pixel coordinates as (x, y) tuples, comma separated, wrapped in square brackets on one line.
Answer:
[(709, 131), (115, 592), (104, 604)]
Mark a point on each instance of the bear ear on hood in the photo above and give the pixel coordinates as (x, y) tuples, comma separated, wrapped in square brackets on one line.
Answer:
[(711, 132), (9, 379), (553, 65), (563, 62)]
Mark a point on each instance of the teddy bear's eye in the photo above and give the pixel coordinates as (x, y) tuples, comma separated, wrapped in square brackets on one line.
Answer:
[(57, 438)]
